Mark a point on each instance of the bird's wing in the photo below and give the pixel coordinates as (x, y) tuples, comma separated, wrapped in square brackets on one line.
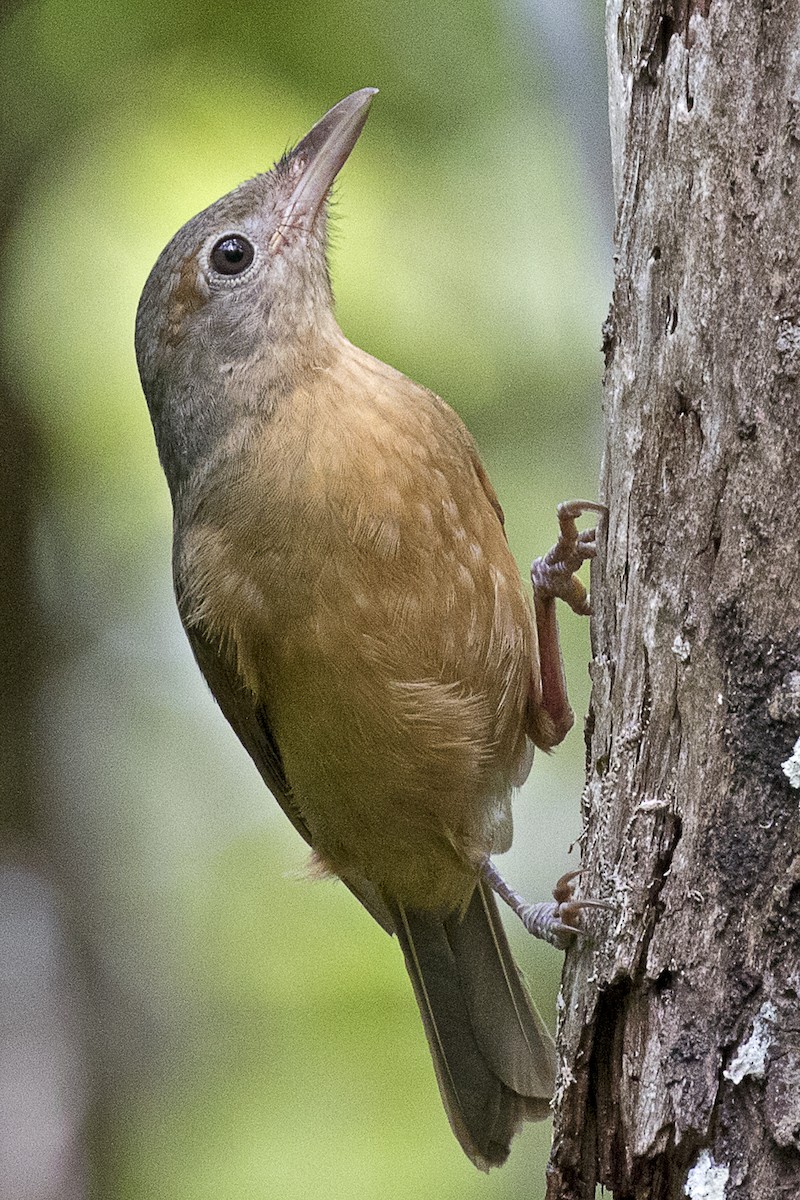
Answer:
[(465, 439), (250, 723), (486, 484), (540, 727)]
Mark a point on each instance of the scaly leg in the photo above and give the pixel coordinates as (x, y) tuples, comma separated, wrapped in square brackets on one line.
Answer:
[(556, 921), (553, 577)]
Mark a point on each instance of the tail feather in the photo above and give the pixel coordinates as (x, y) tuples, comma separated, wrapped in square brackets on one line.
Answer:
[(494, 1060), (507, 1027)]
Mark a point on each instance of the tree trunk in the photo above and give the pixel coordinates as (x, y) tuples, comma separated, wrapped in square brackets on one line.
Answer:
[(681, 1023)]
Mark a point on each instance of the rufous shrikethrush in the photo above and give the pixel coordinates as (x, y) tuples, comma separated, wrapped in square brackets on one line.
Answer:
[(342, 573)]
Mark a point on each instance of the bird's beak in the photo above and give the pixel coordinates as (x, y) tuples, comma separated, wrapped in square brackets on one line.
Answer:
[(317, 160)]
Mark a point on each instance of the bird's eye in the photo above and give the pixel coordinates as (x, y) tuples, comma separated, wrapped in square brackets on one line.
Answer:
[(232, 255)]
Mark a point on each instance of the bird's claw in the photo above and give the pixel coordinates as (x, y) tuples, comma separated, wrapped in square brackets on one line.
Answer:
[(554, 574), (558, 921)]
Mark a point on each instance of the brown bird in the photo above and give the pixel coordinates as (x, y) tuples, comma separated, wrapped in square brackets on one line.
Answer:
[(343, 576)]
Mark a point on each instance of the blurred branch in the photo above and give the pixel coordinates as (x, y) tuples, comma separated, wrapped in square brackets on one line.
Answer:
[(19, 618), (41, 1048), (42, 1067)]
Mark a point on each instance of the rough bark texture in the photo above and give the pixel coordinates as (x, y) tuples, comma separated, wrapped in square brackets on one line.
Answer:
[(681, 1022)]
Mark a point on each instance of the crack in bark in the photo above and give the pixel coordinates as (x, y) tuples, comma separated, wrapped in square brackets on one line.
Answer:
[(669, 20)]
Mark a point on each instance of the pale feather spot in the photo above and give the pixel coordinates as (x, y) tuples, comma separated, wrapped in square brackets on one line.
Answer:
[(404, 608), (476, 551), (453, 518), (465, 578), (524, 762), (498, 579), (424, 514), (378, 472), (375, 531), (246, 591), (506, 635), (325, 630), (386, 539), (418, 449)]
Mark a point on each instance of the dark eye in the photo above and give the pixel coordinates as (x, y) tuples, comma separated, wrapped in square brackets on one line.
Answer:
[(232, 255)]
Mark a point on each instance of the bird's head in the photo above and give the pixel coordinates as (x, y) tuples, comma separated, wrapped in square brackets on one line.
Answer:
[(245, 282)]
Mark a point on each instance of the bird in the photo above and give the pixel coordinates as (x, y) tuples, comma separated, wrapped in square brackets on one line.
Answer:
[(342, 572)]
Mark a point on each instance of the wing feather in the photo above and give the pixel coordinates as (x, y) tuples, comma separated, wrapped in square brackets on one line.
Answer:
[(250, 722)]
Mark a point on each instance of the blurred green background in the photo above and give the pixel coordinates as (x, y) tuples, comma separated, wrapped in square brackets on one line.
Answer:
[(184, 1015)]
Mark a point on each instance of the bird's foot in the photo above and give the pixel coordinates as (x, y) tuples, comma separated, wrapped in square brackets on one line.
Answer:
[(557, 921), (553, 576)]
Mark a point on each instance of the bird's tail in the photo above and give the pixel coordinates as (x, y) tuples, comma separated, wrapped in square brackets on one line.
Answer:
[(494, 1059)]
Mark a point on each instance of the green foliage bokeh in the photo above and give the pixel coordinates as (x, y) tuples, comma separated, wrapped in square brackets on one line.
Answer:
[(266, 1040)]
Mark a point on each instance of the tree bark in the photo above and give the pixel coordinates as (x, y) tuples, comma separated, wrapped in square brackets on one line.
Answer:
[(681, 1024)]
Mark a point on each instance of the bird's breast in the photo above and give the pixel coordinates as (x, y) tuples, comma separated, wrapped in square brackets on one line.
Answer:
[(355, 523), (358, 574)]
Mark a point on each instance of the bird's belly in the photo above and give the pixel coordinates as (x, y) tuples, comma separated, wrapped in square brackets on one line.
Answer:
[(395, 675), (399, 709)]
